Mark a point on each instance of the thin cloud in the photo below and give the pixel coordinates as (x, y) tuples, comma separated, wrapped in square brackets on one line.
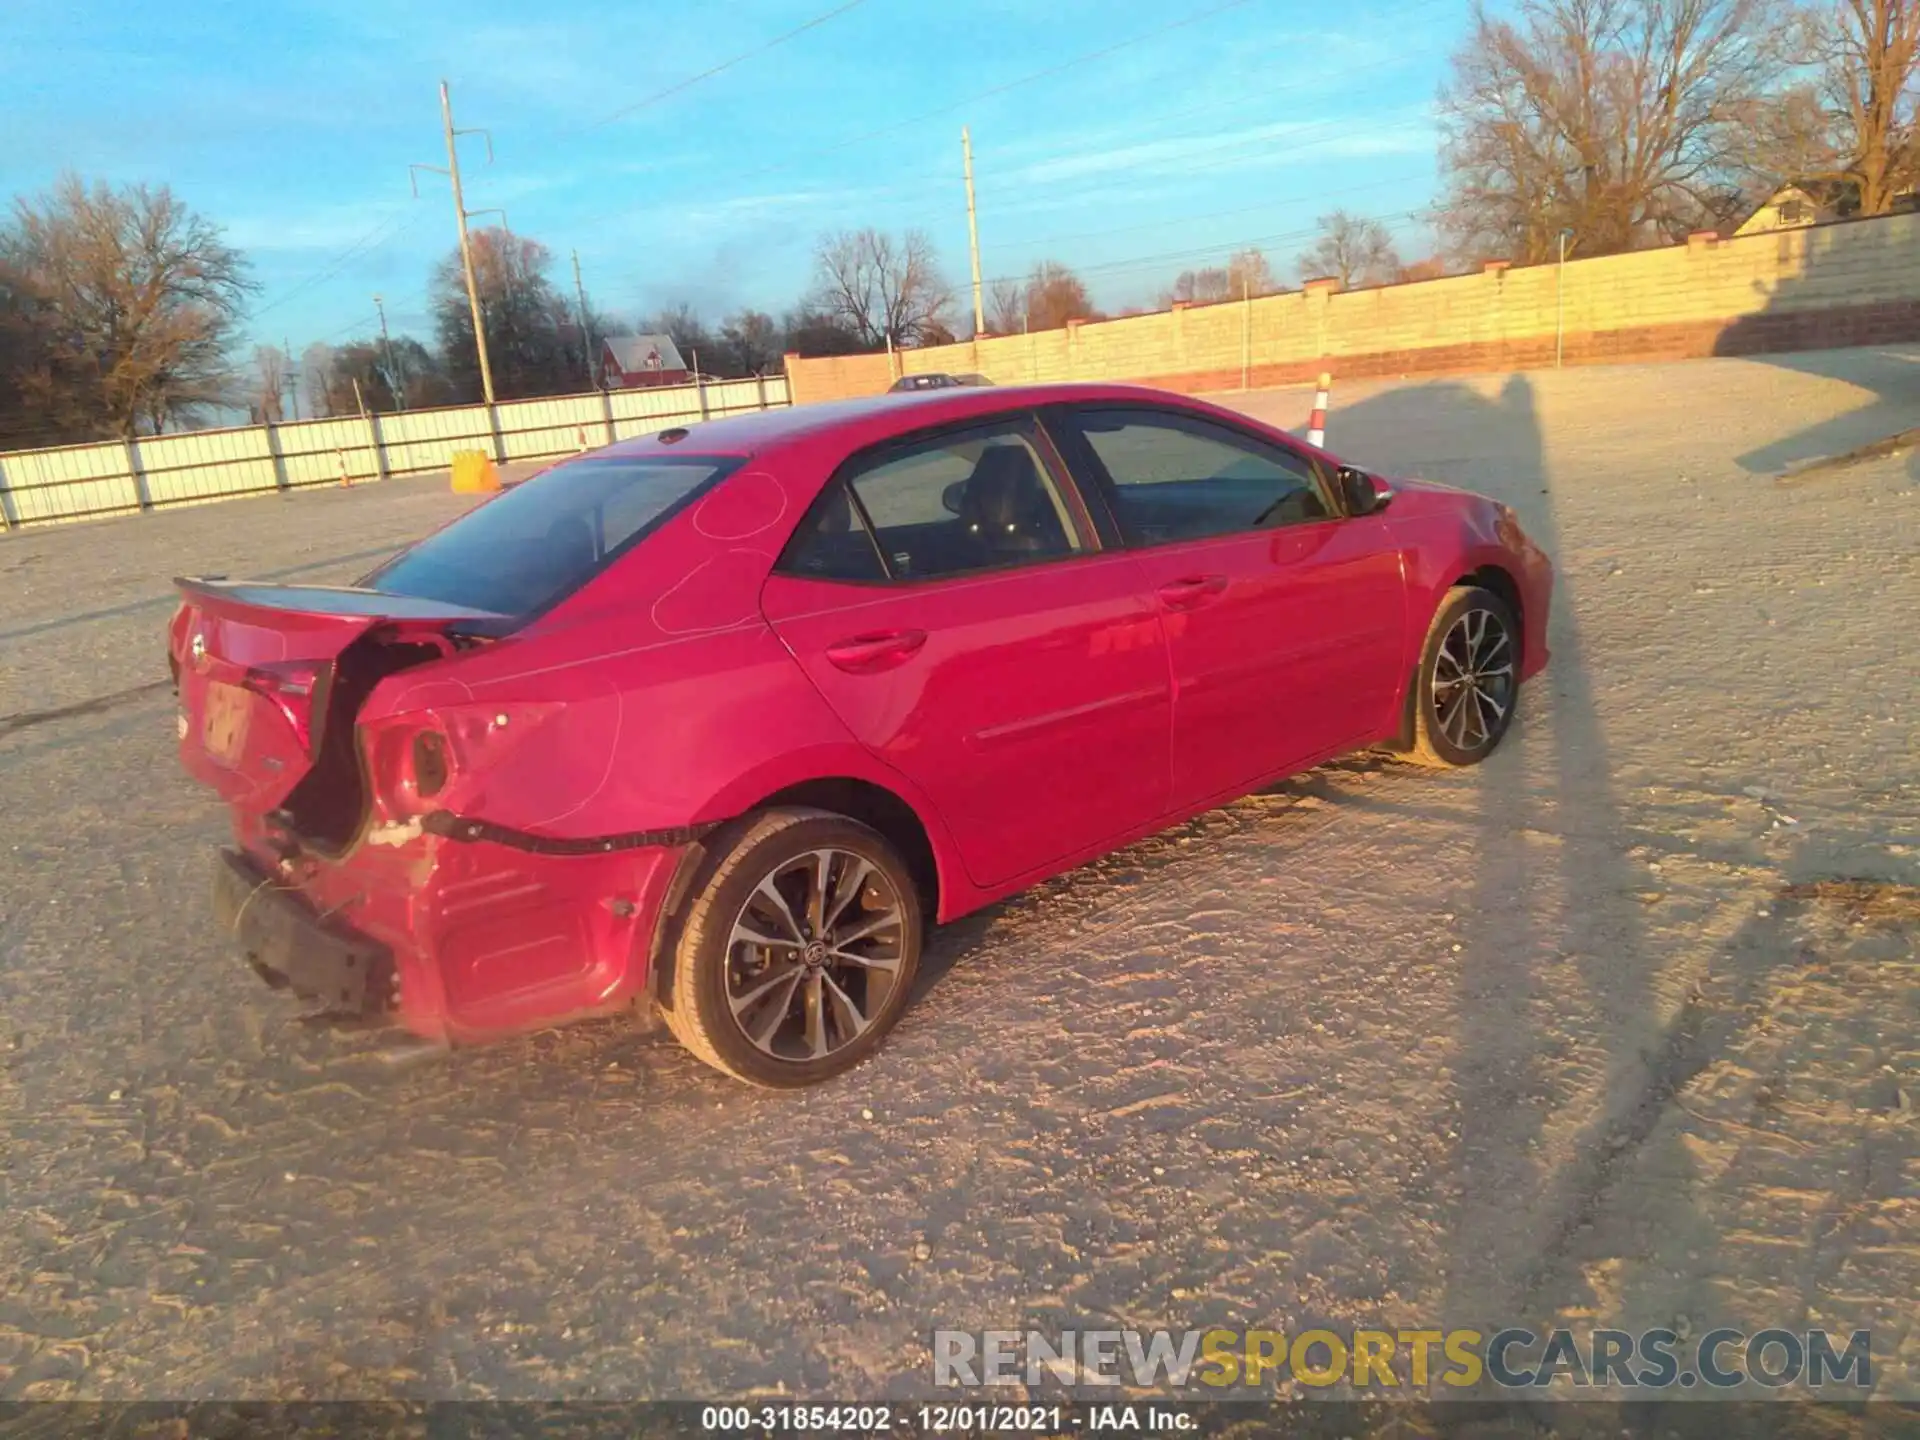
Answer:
[(330, 227), (1152, 156), (1264, 147)]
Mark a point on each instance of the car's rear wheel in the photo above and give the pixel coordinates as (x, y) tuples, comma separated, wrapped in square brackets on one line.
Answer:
[(1468, 681), (798, 951)]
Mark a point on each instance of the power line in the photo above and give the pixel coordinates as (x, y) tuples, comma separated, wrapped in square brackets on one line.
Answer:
[(1163, 259), (1286, 145), (398, 225), (1082, 59), (365, 322), (1016, 84), (1237, 99), (1283, 151), (679, 85), (945, 181), (1143, 262), (359, 248), (1205, 215), (1178, 219)]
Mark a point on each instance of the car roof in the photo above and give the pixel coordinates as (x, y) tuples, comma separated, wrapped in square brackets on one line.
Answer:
[(873, 418)]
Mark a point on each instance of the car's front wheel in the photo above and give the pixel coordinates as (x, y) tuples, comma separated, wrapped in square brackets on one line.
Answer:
[(1468, 681), (798, 951)]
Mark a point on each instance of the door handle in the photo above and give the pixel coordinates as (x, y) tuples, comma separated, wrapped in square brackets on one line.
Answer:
[(865, 654), (1192, 590)]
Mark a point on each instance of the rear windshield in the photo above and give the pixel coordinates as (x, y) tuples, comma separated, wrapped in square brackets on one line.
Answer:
[(533, 544)]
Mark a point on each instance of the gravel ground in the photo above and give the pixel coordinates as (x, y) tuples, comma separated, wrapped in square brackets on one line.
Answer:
[(1617, 1029)]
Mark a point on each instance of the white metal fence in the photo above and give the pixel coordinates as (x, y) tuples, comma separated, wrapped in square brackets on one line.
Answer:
[(117, 477)]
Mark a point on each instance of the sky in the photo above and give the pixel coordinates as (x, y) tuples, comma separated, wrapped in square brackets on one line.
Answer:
[(1130, 140)]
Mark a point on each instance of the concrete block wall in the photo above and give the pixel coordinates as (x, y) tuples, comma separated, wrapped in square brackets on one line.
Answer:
[(1851, 283)]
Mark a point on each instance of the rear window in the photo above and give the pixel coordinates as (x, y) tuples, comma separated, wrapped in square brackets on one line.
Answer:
[(533, 544)]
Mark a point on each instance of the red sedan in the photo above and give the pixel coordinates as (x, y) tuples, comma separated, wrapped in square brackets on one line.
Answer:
[(717, 720)]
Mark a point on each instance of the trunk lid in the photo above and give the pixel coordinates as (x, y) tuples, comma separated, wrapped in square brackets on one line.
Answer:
[(265, 672)]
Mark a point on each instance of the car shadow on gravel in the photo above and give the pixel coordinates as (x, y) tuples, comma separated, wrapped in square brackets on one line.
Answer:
[(1563, 978), (1552, 924)]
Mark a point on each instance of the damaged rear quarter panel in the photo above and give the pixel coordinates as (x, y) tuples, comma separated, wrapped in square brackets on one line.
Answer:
[(671, 696)]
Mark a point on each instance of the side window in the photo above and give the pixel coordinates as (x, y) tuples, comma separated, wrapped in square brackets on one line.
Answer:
[(1174, 478), (978, 499), (831, 543)]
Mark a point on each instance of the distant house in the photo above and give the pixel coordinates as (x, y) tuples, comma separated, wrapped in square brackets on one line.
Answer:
[(1788, 208), (630, 362)]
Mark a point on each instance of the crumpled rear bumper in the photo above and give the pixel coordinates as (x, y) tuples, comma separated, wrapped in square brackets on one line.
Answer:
[(291, 947), (459, 938)]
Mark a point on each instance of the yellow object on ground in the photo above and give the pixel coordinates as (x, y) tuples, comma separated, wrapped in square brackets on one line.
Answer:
[(474, 472)]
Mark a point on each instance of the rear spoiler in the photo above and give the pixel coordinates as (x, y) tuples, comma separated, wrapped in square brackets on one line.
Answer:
[(217, 595)]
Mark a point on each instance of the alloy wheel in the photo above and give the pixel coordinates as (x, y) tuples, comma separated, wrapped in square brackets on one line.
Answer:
[(814, 954), (1473, 680)]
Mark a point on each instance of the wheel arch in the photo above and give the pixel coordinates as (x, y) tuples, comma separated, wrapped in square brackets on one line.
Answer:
[(905, 825), (1501, 581)]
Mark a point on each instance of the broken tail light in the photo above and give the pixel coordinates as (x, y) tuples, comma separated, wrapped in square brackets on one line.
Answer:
[(291, 686), (177, 631), (420, 762)]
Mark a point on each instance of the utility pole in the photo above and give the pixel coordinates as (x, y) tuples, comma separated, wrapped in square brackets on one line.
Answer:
[(586, 337), (973, 233), (460, 215), (1246, 329), (293, 381), (466, 243), (395, 381), (1560, 305)]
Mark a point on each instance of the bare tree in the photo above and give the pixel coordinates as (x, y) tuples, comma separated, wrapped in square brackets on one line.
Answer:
[(1853, 128), (1623, 121), (1245, 274), (1007, 306), (323, 390), (268, 403), (1249, 274), (136, 302), (1793, 138), (356, 362), (880, 287), (1351, 248), (689, 333), (807, 331), (532, 335), (1056, 295), (751, 342), (1431, 268), (22, 356), (1200, 287)]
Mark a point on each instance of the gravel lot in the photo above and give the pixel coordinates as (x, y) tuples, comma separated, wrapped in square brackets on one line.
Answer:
[(1618, 1029)]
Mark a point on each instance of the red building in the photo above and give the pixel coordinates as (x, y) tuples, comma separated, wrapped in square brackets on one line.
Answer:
[(632, 361)]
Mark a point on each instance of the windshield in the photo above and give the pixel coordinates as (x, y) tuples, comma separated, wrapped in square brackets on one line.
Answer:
[(533, 544)]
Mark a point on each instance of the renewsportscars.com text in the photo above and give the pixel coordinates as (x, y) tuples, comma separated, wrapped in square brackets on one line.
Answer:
[(1419, 1360)]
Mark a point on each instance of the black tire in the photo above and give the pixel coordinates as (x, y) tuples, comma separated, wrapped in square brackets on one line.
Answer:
[(1454, 723), (761, 1012)]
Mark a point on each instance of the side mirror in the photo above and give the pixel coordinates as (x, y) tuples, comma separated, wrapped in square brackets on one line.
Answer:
[(951, 497), (1363, 494)]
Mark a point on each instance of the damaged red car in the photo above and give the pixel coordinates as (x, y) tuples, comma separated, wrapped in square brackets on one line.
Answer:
[(720, 721)]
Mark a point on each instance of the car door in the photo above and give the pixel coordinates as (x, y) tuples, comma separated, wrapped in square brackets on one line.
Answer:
[(951, 600), (1284, 621)]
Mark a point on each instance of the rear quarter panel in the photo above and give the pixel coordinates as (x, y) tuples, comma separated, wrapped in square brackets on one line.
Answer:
[(673, 701)]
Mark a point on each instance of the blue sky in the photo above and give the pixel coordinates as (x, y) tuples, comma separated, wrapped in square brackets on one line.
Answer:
[(292, 124)]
